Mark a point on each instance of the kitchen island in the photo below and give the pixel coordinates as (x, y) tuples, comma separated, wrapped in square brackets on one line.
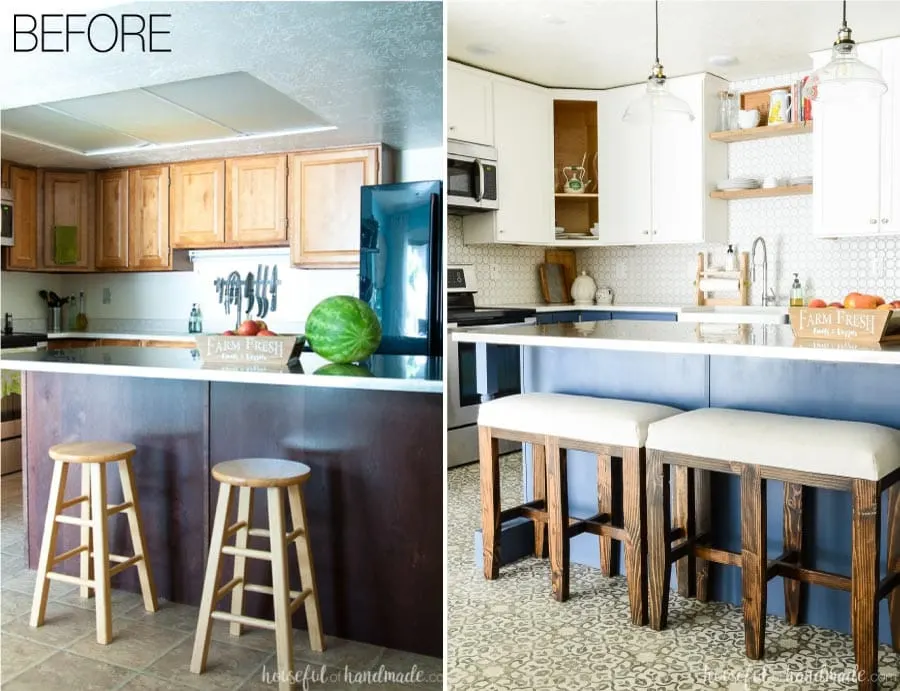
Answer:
[(374, 443), (745, 366)]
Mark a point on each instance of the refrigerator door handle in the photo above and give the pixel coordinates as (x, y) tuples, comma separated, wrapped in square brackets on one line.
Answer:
[(436, 318)]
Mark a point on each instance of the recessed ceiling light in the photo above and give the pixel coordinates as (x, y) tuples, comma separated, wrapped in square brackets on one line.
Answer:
[(480, 49), (723, 60), (553, 19)]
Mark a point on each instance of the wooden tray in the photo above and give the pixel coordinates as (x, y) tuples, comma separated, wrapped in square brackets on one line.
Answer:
[(567, 259), (553, 284), (859, 326), (274, 351)]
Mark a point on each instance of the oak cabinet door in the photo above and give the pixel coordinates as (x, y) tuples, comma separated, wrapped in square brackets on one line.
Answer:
[(67, 203), (325, 205), (23, 184), (148, 218), (256, 201), (198, 204), (112, 220)]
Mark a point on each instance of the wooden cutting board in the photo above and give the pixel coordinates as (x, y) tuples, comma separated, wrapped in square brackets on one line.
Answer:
[(553, 284), (567, 259)]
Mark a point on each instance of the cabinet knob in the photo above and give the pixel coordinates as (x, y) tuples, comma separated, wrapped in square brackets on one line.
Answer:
[(452, 128), (885, 220), (873, 221), (645, 232)]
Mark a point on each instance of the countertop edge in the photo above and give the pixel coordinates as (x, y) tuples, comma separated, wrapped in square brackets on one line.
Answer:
[(130, 336), (540, 307)]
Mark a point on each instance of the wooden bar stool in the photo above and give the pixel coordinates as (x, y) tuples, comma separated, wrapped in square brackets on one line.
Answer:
[(861, 458), (94, 575), (274, 475), (552, 423)]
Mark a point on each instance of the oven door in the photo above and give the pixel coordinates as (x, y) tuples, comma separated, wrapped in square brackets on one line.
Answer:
[(471, 183)]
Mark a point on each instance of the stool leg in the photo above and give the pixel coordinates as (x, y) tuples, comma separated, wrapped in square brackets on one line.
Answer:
[(284, 632), (793, 540), (86, 566), (101, 553), (634, 505), (753, 560), (244, 513), (659, 543), (703, 526), (307, 572), (604, 505), (539, 492), (893, 561), (489, 465), (864, 580), (558, 519), (48, 542), (210, 580), (136, 527), (685, 501)]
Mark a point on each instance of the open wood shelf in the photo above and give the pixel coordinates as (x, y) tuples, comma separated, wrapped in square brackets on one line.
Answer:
[(576, 195), (759, 192), (762, 132)]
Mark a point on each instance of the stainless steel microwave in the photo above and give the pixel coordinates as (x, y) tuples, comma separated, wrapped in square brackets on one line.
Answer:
[(6, 205), (471, 177)]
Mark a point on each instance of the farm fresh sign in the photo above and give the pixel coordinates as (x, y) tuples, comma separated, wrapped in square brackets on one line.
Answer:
[(269, 350), (845, 324)]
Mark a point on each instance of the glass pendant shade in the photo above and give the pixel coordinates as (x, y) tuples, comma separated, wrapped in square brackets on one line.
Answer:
[(658, 106), (845, 79)]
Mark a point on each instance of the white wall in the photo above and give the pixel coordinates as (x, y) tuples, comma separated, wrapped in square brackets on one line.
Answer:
[(19, 296)]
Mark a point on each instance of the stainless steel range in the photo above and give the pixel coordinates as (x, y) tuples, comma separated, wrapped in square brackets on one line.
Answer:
[(462, 391)]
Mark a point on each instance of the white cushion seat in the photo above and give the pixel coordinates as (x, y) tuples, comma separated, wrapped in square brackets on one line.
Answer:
[(858, 450), (585, 418)]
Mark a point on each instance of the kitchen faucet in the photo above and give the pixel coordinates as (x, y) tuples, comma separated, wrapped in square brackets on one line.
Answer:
[(768, 294)]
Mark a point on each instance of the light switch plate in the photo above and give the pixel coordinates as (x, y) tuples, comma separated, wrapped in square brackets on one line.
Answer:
[(107, 296)]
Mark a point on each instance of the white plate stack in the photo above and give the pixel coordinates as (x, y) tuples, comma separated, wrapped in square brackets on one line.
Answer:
[(801, 180), (737, 184)]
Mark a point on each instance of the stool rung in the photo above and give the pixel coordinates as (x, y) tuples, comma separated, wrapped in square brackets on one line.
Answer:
[(294, 535), (232, 529), (717, 556), (531, 509), (297, 601), (112, 509), (67, 555), (267, 590), (131, 561), (887, 585), (811, 576), (72, 520), (73, 502), (117, 558), (227, 588), (259, 532), (66, 578), (245, 620), (246, 552)]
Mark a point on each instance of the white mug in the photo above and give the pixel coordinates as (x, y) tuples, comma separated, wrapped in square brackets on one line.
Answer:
[(770, 182), (779, 107), (748, 119)]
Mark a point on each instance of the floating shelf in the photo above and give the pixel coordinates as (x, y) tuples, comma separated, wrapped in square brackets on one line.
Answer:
[(576, 195), (759, 192), (762, 132)]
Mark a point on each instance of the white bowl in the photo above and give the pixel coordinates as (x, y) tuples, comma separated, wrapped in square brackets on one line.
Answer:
[(748, 119)]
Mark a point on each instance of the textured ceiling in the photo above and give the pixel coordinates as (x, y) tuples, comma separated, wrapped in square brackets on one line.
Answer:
[(605, 43), (373, 69)]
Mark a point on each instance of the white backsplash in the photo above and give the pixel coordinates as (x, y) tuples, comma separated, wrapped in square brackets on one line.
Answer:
[(828, 268)]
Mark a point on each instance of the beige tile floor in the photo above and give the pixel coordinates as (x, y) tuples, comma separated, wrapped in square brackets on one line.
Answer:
[(151, 651)]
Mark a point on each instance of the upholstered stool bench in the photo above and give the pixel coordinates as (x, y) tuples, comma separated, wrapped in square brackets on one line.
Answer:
[(802, 452), (552, 423)]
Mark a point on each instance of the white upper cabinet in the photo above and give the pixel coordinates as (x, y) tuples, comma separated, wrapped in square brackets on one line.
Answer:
[(856, 154), (469, 105)]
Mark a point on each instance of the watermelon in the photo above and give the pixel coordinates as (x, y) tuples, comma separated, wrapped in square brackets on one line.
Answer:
[(344, 370), (343, 329)]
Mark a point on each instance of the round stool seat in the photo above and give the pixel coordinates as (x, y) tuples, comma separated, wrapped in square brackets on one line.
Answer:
[(92, 451), (261, 472)]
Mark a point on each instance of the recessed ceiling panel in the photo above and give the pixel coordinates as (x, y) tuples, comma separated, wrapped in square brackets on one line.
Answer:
[(45, 125), (239, 101), (143, 115)]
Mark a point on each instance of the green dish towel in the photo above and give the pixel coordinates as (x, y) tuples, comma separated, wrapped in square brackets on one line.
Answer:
[(65, 244)]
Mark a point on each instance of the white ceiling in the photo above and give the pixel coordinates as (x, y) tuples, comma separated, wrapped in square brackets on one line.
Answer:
[(372, 69), (605, 43)]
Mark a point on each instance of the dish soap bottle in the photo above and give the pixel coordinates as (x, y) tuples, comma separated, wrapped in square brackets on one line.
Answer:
[(192, 320), (730, 259), (81, 321), (796, 292)]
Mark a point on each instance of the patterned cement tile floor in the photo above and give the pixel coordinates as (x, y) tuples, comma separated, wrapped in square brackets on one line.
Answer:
[(509, 634), (151, 652)]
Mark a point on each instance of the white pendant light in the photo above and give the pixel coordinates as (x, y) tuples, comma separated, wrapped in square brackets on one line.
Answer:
[(658, 106), (845, 78)]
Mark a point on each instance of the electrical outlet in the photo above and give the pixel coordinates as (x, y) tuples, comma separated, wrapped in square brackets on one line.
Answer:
[(107, 296), (494, 272), (878, 265)]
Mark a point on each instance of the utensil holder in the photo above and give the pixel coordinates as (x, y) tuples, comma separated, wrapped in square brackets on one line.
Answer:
[(54, 319)]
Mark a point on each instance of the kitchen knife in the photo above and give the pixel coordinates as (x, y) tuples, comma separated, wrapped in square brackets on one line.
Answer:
[(259, 287), (274, 304), (265, 298), (248, 293), (220, 285)]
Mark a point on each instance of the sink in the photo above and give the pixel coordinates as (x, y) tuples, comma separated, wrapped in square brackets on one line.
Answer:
[(735, 314)]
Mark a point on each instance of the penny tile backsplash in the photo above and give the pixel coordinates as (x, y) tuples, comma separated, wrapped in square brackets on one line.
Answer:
[(664, 274)]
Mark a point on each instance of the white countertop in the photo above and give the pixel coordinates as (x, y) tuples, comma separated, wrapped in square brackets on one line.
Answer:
[(541, 307), (416, 374), (125, 335), (747, 340)]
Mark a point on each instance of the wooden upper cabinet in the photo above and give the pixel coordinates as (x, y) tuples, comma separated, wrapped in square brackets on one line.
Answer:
[(67, 205), (324, 192), (148, 219), (256, 200), (197, 212), (24, 187), (112, 220)]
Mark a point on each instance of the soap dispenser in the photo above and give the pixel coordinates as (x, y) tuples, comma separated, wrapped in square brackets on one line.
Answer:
[(796, 292), (730, 259)]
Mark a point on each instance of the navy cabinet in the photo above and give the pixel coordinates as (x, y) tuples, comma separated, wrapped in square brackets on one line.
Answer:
[(593, 316), (647, 316), (570, 316)]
